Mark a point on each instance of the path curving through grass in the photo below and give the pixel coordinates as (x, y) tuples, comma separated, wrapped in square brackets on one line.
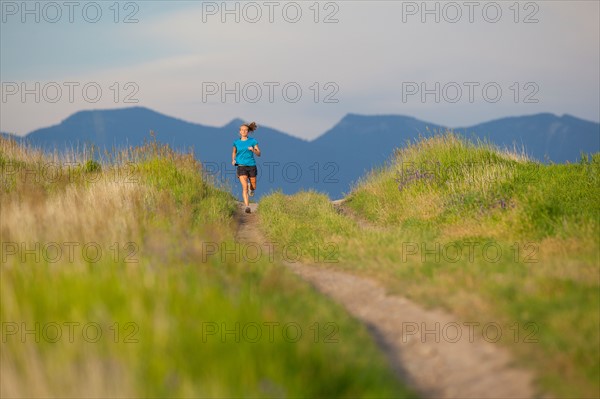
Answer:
[(470, 367)]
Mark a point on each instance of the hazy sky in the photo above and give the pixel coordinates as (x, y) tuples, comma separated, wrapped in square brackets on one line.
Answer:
[(299, 66)]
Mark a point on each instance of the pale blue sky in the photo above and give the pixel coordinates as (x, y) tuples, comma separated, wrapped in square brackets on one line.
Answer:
[(373, 54)]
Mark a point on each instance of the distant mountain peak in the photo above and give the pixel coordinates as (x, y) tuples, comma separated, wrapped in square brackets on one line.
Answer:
[(560, 137), (234, 122), (362, 117), (136, 110)]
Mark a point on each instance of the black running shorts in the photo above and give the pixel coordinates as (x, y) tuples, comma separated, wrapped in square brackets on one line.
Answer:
[(249, 171)]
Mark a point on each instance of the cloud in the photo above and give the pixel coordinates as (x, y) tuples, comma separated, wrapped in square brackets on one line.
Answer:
[(364, 61)]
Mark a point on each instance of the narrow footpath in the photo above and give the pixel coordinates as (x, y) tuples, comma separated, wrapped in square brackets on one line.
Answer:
[(435, 365)]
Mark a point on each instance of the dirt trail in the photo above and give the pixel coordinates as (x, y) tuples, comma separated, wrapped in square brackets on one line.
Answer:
[(451, 363)]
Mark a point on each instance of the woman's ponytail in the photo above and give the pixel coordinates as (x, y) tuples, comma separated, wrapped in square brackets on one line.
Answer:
[(251, 126)]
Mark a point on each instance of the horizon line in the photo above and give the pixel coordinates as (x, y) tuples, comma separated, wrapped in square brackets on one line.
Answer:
[(283, 132)]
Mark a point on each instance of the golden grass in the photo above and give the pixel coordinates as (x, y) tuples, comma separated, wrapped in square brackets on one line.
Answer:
[(26, 375), (104, 210), (38, 209)]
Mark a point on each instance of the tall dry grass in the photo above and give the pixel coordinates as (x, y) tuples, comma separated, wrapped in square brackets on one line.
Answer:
[(159, 210)]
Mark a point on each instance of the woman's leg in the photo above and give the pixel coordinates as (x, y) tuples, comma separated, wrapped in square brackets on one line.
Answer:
[(252, 173), (244, 183)]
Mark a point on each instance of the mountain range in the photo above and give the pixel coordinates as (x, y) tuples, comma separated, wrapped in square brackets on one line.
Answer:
[(332, 162)]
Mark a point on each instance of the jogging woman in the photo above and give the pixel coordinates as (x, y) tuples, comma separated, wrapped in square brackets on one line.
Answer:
[(242, 156)]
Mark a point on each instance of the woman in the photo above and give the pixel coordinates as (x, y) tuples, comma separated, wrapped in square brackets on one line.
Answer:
[(242, 156)]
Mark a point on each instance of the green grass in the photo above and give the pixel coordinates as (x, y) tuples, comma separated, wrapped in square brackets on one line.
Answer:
[(165, 304), (527, 236), (173, 311)]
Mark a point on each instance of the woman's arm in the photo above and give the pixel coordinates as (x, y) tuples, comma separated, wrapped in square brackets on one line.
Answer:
[(233, 152), (256, 150)]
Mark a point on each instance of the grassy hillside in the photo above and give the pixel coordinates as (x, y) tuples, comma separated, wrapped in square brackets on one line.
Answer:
[(123, 279), (487, 234)]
